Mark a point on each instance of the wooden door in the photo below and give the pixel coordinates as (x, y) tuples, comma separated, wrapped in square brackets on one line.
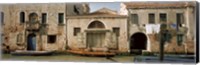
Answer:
[(95, 39)]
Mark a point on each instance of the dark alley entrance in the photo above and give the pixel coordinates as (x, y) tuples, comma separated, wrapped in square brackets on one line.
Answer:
[(138, 42)]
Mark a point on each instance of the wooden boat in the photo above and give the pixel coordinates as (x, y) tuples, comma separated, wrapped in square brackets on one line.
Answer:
[(89, 53), (32, 53)]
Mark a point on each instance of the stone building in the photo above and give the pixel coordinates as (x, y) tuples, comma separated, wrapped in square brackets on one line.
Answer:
[(102, 29), (149, 15), (70, 26), (36, 26)]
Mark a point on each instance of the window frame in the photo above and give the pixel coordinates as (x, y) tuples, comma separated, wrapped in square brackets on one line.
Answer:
[(76, 31), (2, 18), (44, 22), (134, 19), (63, 18), (161, 17), (49, 39), (116, 32), (152, 20), (22, 17), (181, 21)]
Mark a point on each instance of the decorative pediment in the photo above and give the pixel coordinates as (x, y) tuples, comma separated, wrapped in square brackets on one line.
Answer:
[(105, 11)]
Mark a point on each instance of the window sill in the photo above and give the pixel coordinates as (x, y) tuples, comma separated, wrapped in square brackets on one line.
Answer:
[(51, 43), (61, 24)]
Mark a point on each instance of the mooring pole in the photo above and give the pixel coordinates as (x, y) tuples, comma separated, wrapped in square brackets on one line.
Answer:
[(163, 35), (161, 50)]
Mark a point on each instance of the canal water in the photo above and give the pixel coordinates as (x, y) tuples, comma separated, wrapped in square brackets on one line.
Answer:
[(67, 58)]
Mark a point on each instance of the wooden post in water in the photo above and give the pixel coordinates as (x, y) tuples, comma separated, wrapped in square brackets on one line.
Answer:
[(163, 33), (161, 50)]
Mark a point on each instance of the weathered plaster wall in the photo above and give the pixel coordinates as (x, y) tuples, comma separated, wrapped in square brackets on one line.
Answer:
[(171, 17), (13, 27), (109, 24)]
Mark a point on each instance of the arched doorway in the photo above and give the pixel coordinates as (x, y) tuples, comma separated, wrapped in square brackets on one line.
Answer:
[(138, 42), (96, 35), (31, 42)]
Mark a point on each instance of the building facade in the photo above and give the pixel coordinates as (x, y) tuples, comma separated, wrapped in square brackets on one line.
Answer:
[(39, 27), (102, 29), (70, 26), (145, 19)]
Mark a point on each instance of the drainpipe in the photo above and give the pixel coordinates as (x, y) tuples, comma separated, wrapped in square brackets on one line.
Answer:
[(41, 45), (128, 25), (25, 36)]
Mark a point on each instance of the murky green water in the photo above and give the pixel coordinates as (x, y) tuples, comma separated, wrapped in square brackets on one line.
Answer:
[(67, 58)]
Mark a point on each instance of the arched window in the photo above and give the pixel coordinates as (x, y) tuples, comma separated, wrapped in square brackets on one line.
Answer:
[(96, 24), (33, 17), (22, 17)]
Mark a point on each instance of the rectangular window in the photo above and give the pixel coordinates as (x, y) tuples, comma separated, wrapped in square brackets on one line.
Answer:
[(22, 17), (44, 18), (163, 17), (61, 18), (151, 18), (116, 30), (134, 18), (51, 38), (76, 31), (2, 18), (179, 18)]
